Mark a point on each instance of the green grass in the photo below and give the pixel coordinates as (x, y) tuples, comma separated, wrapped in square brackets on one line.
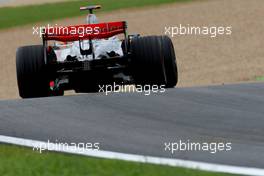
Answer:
[(17, 16), (18, 161), (260, 78)]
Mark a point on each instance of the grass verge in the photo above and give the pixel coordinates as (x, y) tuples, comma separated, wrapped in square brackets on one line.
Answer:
[(19, 161), (260, 78), (22, 15)]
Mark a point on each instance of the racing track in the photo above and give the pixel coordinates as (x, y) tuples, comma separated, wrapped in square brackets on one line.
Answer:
[(137, 124)]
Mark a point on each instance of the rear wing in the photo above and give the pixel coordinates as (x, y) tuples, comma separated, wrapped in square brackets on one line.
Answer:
[(85, 32)]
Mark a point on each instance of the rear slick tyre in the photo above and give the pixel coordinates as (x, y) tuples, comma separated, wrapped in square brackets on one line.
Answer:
[(32, 78), (153, 61), (147, 63), (170, 62)]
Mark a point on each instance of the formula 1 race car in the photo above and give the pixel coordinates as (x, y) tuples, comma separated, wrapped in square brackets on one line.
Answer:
[(82, 57)]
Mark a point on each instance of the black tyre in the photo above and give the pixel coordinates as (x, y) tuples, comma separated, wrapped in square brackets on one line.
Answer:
[(170, 62), (32, 77), (153, 61), (147, 61)]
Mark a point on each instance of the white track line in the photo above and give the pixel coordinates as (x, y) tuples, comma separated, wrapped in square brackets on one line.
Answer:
[(136, 158)]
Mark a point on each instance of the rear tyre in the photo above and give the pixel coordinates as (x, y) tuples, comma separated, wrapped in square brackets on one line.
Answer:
[(32, 77), (170, 62), (147, 63), (153, 61)]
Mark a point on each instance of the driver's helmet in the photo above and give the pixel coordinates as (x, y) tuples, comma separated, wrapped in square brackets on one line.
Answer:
[(92, 19)]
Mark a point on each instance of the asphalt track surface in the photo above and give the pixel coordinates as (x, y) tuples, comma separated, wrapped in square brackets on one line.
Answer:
[(137, 124)]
